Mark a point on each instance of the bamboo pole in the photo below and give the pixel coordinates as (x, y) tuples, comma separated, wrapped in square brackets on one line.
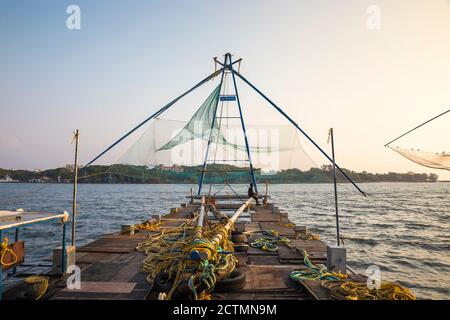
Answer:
[(156, 114), (201, 219), (219, 237), (331, 136), (198, 254), (75, 182)]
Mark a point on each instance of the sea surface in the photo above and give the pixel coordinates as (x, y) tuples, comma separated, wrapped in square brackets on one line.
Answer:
[(404, 228)]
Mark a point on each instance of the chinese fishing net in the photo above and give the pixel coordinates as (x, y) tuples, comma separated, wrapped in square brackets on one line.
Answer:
[(177, 148), (420, 143)]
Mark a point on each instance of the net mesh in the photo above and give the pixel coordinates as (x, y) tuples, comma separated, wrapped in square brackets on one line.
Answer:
[(278, 147), (418, 144), (172, 142), (173, 147), (427, 159), (201, 125)]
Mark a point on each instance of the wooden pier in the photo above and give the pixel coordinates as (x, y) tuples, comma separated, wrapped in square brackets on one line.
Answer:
[(111, 265), (264, 249)]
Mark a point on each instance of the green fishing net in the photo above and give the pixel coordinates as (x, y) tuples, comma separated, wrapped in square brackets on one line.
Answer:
[(217, 122), (204, 125)]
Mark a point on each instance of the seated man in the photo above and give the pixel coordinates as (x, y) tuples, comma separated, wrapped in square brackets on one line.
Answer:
[(253, 194)]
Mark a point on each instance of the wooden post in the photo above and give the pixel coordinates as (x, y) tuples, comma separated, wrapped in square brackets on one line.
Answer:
[(75, 182), (267, 193), (330, 135)]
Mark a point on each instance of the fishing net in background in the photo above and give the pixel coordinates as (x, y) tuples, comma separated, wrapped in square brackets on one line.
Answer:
[(278, 147), (177, 146), (426, 159), (419, 137)]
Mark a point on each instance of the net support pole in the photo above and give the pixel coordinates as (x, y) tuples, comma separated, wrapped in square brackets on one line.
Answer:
[(219, 236), (252, 172), (197, 254), (157, 113), (331, 136), (200, 222), (75, 185), (202, 176), (298, 127)]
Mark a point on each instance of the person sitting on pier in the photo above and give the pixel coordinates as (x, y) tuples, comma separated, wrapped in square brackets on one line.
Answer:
[(253, 194)]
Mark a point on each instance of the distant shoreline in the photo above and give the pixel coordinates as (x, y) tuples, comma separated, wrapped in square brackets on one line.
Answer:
[(216, 173), (188, 183)]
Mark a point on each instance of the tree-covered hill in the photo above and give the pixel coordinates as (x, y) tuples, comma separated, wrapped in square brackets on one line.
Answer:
[(215, 173)]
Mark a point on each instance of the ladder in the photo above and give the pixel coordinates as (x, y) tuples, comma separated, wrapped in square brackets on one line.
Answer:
[(227, 98)]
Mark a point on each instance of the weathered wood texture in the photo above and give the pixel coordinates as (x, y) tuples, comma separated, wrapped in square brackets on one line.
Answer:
[(111, 265)]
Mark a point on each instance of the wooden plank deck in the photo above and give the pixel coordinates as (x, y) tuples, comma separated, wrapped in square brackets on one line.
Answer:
[(110, 266)]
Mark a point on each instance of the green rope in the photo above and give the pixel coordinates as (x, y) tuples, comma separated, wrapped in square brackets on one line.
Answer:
[(270, 241), (207, 277), (314, 272)]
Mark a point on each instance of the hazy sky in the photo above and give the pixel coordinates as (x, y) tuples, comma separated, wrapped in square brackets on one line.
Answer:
[(316, 59)]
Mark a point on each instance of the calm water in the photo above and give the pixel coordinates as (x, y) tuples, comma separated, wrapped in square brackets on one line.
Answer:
[(404, 229)]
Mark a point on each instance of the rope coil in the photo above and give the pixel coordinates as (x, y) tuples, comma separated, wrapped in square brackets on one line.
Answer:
[(4, 249), (270, 241), (360, 291), (170, 252), (348, 290), (39, 283), (315, 272)]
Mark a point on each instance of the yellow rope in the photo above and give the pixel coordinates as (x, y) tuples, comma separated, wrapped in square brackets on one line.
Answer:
[(4, 249), (147, 226), (204, 296), (167, 251), (34, 280), (360, 291), (308, 236), (287, 225)]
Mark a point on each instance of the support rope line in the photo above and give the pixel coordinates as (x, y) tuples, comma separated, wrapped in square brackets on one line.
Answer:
[(298, 127), (157, 113), (222, 103), (93, 175), (420, 125), (245, 132), (202, 176)]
